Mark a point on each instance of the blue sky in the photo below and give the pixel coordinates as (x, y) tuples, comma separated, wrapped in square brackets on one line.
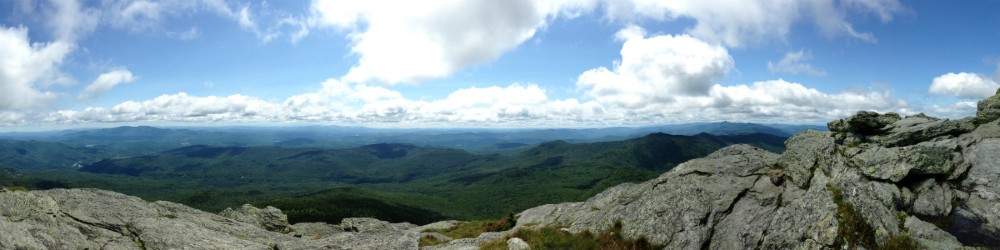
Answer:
[(484, 63)]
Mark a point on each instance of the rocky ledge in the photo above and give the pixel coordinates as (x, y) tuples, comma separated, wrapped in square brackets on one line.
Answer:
[(874, 181)]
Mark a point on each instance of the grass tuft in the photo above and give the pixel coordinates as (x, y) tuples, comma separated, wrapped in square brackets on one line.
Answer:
[(555, 238), (472, 229), (855, 232)]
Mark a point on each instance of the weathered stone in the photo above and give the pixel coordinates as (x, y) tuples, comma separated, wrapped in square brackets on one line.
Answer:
[(876, 202), (984, 198), (269, 218), (913, 130), (804, 152), (883, 163), (89, 218), (681, 208), (893, 164), (748, 219), (933, 199), (314, 230), (989, 109), (740, 160), (805, 223), (517, 244), (440, 225), (776, 176), (366, 225), (469, 243), (929, 236), (986, 130), (97, 219), (864, 122)]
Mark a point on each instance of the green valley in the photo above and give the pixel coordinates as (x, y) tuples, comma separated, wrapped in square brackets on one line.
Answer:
[(390, 181)]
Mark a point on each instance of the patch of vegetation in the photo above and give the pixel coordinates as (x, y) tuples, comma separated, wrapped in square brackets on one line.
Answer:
[(472, 229), (428, 240), (855, 232), (852, 229), (336, 204), (554, 238)]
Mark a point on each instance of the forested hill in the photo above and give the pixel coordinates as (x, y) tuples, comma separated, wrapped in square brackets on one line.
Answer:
[(427, 182)]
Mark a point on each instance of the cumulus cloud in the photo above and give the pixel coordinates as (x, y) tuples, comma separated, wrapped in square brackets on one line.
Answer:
[(660, 78), (656, 69), (667, 78), (779, 99), (26, 67), (955, 110), (407, 41), (737, 23), (442, 37), (105, 82), (515, 105), (964, 85), (795, 63), (69, 20), (179, 107)]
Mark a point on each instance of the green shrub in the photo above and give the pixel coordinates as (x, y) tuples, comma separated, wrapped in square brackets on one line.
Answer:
[(854, 231), (554, 238), (472, 229)]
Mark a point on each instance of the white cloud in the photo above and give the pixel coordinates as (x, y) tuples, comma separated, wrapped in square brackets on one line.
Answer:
[(668, 78), (515, 105), (736, 23), (11, 118), (444, 36), (69, 19), (105, 82), (656, 69), (26, 67), (779, 99), (964, 85), (408, 41), (187, 35), (795, 63), (136, 15), (954, 111), (179, 107)]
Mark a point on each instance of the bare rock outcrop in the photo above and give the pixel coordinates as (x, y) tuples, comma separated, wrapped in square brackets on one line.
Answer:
[(98, 219), (875, 181)]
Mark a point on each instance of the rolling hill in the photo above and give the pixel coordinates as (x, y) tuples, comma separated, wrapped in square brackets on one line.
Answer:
[(428, 183)]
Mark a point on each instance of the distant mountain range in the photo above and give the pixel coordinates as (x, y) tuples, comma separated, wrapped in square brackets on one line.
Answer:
[(144, 140), (377, 180)]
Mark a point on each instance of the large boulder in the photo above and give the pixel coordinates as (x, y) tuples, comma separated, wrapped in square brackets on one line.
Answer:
[(864, 123), (92, 218), (98, 219), (269, 218), (722, 199), (803, 153), (989, 109)]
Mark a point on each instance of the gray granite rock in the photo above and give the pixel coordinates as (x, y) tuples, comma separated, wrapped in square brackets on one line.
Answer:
[(804, 152), (269, 218)]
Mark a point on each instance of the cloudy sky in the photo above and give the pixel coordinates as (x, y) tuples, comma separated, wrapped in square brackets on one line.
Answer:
[(487, 63)]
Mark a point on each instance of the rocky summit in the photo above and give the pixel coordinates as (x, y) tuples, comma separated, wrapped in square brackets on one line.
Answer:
[(874, 181)]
